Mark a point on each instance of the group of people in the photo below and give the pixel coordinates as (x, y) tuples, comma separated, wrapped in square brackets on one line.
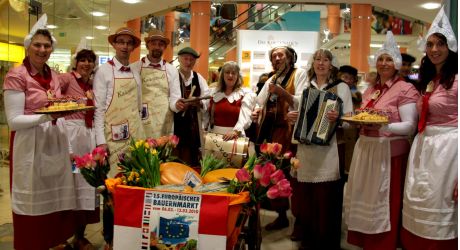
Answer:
[(151, 98)]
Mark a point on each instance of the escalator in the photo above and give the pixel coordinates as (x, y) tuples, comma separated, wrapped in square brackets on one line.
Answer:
[(223, 37)]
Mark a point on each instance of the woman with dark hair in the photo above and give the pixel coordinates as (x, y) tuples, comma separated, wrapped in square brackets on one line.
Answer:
[(78, 84), (430, 195), (231, 105), (318, 192), (42, 186), (375, 183)]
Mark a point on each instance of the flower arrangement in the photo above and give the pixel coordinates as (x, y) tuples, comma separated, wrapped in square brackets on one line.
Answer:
[(94, 167), (140, 166), (264, 176)]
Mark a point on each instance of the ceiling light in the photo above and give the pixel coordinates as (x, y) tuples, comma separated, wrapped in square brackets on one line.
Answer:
[(431, 5), (375, 45), (89, 37), (51, 26), (131, 1), (97, 13), (100, 27), (220, 58)]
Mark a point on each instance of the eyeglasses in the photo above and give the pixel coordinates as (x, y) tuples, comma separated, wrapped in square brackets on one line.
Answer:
[(129, 43)]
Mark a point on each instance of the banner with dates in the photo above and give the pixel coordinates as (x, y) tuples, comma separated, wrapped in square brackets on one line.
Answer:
[(169, 220)]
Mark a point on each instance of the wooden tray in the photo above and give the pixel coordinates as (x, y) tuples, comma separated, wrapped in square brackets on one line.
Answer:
[(363, 122), (77, 109)]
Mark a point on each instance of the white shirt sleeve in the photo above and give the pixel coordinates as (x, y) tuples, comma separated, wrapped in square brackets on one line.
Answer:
[(244, 118), (300, 81), (101, 84), (204, 91), (174, 87), (408, 124), (14, 109)]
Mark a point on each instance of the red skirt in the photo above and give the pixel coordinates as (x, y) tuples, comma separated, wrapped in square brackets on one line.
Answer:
[(411, 241), (40, 232), (387, 240)]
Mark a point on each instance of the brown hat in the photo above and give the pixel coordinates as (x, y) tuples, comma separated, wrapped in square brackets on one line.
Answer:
[(125, 31), (156, 34), (188, 50)]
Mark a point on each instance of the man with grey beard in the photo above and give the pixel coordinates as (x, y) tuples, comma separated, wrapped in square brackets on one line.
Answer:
[(157, 77)]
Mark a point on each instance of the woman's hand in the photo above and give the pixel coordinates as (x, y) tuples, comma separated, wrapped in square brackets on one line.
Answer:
[(292, 116), (230, 135), (332, 115)]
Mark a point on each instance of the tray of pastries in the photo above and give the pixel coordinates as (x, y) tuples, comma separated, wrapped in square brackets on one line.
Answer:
[(367, 117), (65, 104)]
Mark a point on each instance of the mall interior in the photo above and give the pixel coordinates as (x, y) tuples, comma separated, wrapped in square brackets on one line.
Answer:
[(352, 30)]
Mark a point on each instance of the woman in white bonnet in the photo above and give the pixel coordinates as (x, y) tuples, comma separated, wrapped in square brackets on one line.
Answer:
[(375, 182), (42, 186), (430, 197)]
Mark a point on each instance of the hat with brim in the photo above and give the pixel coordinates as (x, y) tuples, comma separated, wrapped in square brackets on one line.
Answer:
[(190, 51), (156, 34), (125, 31), (348, 69)]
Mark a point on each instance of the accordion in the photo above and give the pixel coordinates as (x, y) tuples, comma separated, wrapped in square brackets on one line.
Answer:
[(312, 126)]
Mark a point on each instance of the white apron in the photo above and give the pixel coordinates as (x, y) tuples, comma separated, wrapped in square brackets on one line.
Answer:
[(83, 141), (157, 118), (367, 196), (321, 163), (42, 179), (122, 120), (428, 208)]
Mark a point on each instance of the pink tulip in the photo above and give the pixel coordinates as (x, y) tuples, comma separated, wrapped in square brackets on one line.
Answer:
[(174, 140), (85, 161), (265, 180), (273, 192), (99, 154), (288, 155), (276, 148), (264, 148), (243, 175), (258, 171), (284, 188), (277, 176), (152, 142), (270, 167)]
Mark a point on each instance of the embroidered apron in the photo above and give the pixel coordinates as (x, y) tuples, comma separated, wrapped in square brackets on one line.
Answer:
[(157, 118), (122, 121)]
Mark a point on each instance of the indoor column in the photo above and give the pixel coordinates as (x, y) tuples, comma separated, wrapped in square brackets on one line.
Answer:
[(169, 31), (200, 12), (135, 25), (361, 15), (333, 19)]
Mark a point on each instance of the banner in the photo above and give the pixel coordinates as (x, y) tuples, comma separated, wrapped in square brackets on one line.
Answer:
[(169, 220), (254, 46)]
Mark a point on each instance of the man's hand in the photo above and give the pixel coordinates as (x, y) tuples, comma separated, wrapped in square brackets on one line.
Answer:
[(181, 105), (292, 117), (255, 114)]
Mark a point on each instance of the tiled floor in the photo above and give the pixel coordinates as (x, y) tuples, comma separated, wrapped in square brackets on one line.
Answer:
[(271, 240)]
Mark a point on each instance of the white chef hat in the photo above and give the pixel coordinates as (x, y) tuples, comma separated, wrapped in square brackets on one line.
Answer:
[(40, 24), (441, 25), (391, 48)]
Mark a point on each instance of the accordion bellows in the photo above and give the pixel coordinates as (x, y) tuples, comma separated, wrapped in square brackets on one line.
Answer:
[(312, 126)]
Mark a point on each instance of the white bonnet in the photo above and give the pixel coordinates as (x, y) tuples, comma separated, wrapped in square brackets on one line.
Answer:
[(40, 24), (391, 48), (442, 25)]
